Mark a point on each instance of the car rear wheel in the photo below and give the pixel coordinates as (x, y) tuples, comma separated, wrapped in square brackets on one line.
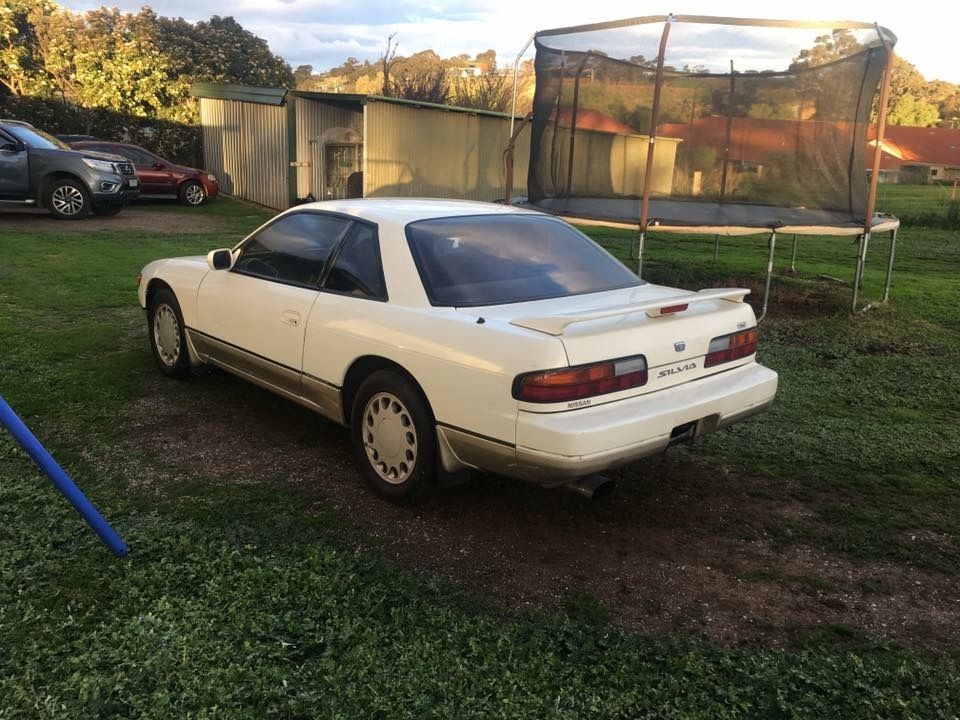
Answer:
[(393, 437), (67, 199), (167, 339), (192, 193)]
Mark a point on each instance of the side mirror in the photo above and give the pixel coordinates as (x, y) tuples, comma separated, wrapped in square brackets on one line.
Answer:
[(7, 146), (158, 166), (221, 259)]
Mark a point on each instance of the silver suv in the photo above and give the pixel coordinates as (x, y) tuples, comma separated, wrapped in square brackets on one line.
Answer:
[(37, 170)]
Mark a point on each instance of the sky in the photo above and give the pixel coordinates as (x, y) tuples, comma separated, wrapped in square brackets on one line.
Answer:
[(323, 33)]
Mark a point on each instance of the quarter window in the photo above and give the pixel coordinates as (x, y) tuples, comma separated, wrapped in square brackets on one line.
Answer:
[(357, 269), (293, 249)]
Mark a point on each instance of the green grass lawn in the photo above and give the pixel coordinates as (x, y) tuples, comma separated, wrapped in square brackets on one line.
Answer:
[(936, 205), (247, 600)]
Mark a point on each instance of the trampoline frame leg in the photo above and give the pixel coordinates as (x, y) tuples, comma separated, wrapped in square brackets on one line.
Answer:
[(893, 248), (641, 240), (766, 289), (716, 248), (861, 263), (21, 433), (793, 255)]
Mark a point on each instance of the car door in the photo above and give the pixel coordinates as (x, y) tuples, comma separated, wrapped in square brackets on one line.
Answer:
[(252, 317), (14, 168), (155, 174)]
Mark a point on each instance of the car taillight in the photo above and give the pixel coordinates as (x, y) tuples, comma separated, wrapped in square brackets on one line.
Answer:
[(581, 381), (731, 347)]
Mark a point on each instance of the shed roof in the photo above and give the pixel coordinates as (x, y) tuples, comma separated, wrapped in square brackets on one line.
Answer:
[(278, 96)]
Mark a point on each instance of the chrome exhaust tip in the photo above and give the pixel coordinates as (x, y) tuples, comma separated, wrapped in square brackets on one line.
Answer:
[(592, 487)]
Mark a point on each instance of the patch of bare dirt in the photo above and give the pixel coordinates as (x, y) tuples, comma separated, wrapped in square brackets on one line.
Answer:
[(130, 219), (675, 548)]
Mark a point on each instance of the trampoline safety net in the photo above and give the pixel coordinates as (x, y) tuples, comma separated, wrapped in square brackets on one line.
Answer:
[(756, 123)]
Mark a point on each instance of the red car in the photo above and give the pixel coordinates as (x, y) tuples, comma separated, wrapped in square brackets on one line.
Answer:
[(158, 176)]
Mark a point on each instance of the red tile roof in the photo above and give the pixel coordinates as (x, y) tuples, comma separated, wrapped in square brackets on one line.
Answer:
[(916, 145), (755, 140)]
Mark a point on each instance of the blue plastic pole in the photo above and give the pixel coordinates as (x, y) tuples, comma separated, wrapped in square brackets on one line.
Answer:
[(22, 434)]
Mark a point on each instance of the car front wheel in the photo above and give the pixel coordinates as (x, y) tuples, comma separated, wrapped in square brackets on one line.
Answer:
[(393, 437), (67, 199), (167, 339), (192, 193)]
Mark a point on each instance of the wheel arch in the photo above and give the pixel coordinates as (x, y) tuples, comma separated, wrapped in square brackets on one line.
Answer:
[(153, 287), (363, 367), (50, 178)]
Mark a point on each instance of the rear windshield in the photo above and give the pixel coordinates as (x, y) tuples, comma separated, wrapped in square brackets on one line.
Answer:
[(500, 259)]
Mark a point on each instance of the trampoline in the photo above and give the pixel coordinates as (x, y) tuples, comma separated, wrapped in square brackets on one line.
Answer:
[(713, 125)]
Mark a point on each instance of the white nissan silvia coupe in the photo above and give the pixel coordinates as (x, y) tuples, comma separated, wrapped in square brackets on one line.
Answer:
[(453, 335)]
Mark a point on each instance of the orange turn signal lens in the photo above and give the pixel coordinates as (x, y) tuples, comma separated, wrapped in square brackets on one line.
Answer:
[(727, 348), (581, 381)]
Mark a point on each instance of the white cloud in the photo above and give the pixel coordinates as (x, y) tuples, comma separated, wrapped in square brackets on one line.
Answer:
[(324, 32)]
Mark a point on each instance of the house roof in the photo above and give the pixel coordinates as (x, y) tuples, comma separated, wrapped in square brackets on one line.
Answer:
[(756, 140), (917, 146)]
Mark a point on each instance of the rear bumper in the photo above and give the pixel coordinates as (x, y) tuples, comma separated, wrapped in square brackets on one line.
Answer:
[(554, 447)]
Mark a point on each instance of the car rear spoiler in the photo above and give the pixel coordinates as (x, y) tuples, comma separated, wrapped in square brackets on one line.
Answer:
[(557, 324)]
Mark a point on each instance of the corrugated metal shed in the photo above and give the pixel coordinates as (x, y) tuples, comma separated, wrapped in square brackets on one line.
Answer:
[(245, 146), (404, 148), (317, 122), (422, 150)]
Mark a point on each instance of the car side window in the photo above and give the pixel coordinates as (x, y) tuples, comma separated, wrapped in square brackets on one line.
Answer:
[(137, 157), (357, 269), (293, 249)]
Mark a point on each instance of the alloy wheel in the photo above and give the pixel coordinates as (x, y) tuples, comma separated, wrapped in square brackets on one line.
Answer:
[(67, 200)]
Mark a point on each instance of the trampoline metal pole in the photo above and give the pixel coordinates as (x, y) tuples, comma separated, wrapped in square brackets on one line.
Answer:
[(893, 247), (651, 140), (793, 255), (641, 239), (516, 70), (766, 289), (861, 262), (716, 248)]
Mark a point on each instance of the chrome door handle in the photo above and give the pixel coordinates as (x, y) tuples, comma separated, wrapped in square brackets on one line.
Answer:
[(290, 317)]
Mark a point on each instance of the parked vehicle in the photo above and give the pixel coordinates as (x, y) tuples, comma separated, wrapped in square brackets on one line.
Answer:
[(159, 177), (37, 170), (450, 335), (70, 139)]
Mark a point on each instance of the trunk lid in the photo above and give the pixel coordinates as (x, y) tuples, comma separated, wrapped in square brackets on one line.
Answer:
[(616, 324)]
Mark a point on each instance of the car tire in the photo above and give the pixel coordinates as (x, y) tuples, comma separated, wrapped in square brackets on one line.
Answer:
[(192, 194), (107, 210), (166, 332), (67, 199), (393, 437)]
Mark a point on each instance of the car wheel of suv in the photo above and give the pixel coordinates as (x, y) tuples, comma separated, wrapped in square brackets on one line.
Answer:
[(192, 193), (67, 199), (107, 210), (393, 437), (167, 339)]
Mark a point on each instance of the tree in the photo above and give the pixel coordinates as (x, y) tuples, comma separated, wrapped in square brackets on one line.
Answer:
[(828, 48), (487, 92), (907, 103), (387, 61), (21, 67)]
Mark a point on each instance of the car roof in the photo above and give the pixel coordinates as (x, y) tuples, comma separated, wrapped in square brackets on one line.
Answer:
[(8, 121), (403, 210)]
